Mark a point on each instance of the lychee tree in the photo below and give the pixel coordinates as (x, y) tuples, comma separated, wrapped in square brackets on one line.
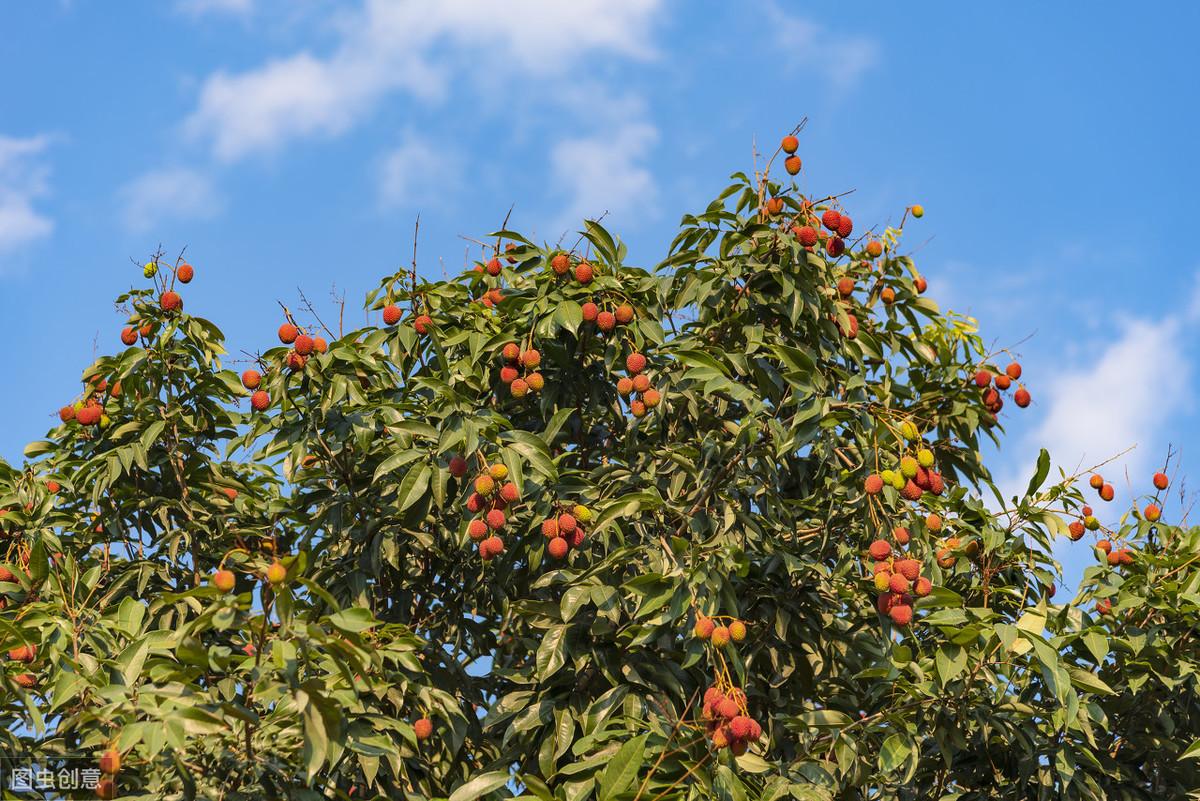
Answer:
[(564, 528)]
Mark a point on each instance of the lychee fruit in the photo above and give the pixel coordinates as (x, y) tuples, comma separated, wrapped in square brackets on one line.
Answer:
[(1013, 371), (898, 583), (536, 381), (458, 466), (845, 226), (590, 310), (485, 484), (477, 530), (911, 491), (260, 400), (531, 358), (508, 374), (422, 324), (845, 287), (920, 284), (874, 249), (933, 523), (23, 653), (224, 580), (774, 205), (807, 235), (789, 144), (251, 379), (737, 631), (1075, 530), (128, 336), (624, 387), (560, 263), (422, 728), (900, 535), (1021, 397), (635, 363), (1160, 481), (510, 493), (276, 573), (873, 485), (880, 550), (583, 272), (170, 302), (720, 636), (901, 614), (606, 321), (909, 568), (651, 397), (792, 164), (831, 219), (493, 267), (922, 587), (557, 547), (490, 548), (1151, 512), (1096, 481), (391, 316), (835, 246), (566, 523), (641, 383), (1002, 381), (519, 388), (624, 314), (296, 361), (1107, 492), (303, 344), (704, 627)]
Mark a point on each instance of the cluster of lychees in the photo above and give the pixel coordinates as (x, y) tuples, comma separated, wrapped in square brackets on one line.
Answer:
[(304, 346), (727, 721), (421, 323), (490, 499), (584, 272), (897, 578), (637, 384), (89, 410), (564, 530), (719, 630), (913, 474), (515, 360), (986, 377)]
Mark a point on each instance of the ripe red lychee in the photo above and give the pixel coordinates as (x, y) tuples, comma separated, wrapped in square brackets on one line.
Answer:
[(835, 246), (720, 637), (583, 272), (737, 631), (170, 302), (1096, 482), (845, 226), (651, 397), (1021, 397), (983, 378), (1160, 481), (900, 535), (874, 249), (1114, 558), (1002, 381), (251, 379), (391, 316), (26, 680), (511, 353), (789, 144), (774, 205), (635, 363), (1013, 371), (566, 523), (23, 653), (922, 587), (909, 568), (807, 235), (911, 491), (624, 314), (53, 486), (1075, 530), (873, 485), (933, 523), (550, 527), (560, 263), (792, 164), (845, 287), (508, 374), (920, 284), (458, 466), (493, 267), (637, 408), (106, 788), (510, 493), (831, 219), (422, 728), (624, 387), (1107, 492), (185, 272), (490, 548), (898, 583), (303, 344), (531, 358), (224, 580), (260, 400), (66, 414), (880, 550), (422, 324), (485, 484), (641, 382), (1104, 545), (128, 336), (901, 614), (606, 321), (1151, 512), (477, 530), (557, 547), (519, 388), (590, 310), (1104, 606), (289, 332), (296, 361)]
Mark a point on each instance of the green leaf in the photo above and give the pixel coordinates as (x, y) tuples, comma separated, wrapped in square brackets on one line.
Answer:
[(551, 652), (1043, 469), (480, 786), (413, 486), (623, 768), (353, 620)]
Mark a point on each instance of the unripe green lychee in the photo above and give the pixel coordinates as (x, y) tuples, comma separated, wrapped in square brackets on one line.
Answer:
[(925, 457), (485, 484), (498, 471), (276, 573), (582, 513), (908, 467), (882, 581)]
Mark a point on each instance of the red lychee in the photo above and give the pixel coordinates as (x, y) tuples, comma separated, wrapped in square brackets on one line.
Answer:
[(251, 379), (880, 550), (845, 226), (583, 272), (590, 310), (295, 361), (774, 205), (1096, 481), (477, 529), (920, 284), (792, 164), (911, 491), (835, 246), (606, 321), (519, 388), (635, 363), (493, 267), (874, 249), (624, 314), (901, 614), (1002, 381), (490, 548), (508, 374), (422, 728), (831, 219), (807, 235), (624, 387), (651, 397), (922, 587), (531, 358), (1013, 371), (458, 466), (873, 485), (909, 568), (422, 324), (510, 493), (789, 144), (128, 336), (557, 547), (391, 316), (566, 523), (560, 263), (260, 400), (170, 302), (641, 383), (1151, 512), (1160, 481), (1021, 397), (845, 287), (303, 344), (1107, 492), (900, 535)]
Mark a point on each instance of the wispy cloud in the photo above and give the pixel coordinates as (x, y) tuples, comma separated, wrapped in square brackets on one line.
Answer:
[(605, 172), (23, 179), (394, 45), (176, 193), (417, 172), (842, 58)]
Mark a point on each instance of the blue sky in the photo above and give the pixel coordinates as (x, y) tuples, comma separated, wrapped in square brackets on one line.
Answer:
[(291, 144)]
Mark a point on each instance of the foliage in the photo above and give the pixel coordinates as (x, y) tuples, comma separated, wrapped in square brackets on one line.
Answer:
[(739, 495)]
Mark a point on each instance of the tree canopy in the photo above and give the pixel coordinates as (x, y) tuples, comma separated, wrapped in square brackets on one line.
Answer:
[(560, 527)]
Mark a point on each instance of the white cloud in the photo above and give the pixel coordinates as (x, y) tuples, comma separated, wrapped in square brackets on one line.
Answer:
[(604, 172), (1138, 382), (172, 193), (843, 58), (232, 7), (22, 180), (416, 172), (390, 45)]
